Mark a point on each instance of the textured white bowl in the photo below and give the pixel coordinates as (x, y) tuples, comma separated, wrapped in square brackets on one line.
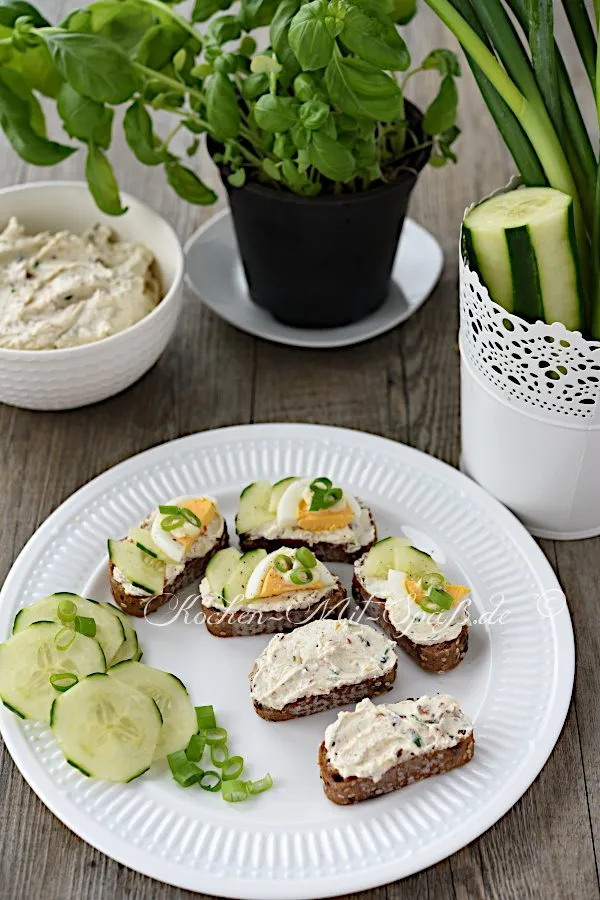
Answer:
[(77, 376)]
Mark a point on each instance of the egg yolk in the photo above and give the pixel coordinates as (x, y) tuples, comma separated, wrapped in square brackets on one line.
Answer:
[(205, 510), (323, 519), (275, 584), (456, 591)]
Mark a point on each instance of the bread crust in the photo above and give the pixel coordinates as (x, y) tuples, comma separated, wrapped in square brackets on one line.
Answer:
[(339, 696), (345, 791), (324, 551), (194, 571), (440, 657), (247, 623)]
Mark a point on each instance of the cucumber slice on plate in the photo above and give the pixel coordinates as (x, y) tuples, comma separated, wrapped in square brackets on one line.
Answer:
[(106, 729), (221, 567), (139, 567), (172, 699), (236, 586), (109, 629), (143, 539), (130, 648), (523, 246), (278, 490), (254, 507), (29, 658)]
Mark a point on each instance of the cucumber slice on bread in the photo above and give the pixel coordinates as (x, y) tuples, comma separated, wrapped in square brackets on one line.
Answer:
[(278, 490), (398, 553), (254, 507), (143, 539), (221, 567), (236, 586), (139, 567)]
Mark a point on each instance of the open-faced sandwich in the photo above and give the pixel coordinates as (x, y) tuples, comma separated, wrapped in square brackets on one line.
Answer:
[(260, 593), (168, 551), (319, 666), (377, 749), (404, 590), (299, 512)]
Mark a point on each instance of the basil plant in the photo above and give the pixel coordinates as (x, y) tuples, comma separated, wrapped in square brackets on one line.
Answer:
[(320, 110)]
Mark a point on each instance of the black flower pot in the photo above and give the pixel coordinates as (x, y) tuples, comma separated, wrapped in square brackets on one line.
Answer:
[(326, 261)]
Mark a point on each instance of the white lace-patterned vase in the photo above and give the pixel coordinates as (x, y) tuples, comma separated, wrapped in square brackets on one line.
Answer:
[(530, 408)]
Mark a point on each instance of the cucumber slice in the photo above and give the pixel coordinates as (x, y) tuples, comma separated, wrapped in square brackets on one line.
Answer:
[(29, 658), (523, 246), (414, 563), (221, 567), (143, 539), (236, 586), (380, 558), (106, 729), (141, 569), (130, 648), (109, 629), (278, 490), (254, 507), (172, 699)]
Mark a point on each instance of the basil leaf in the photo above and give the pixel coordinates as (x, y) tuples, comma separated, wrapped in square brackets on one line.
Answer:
[(187, 185), (374, 40), (444, 61), (222, 109), (403, 11), (441, 114), (330, 158), (16, 121), (83, 118), (280, 26), (139, 135), (11, 10), (95, 67), (36, 113), (309, 37), (34, 65), (102, 182), (255, 85), (362, 90), (159, 44), (314, 114), (204, 9), (275, 113), (223, 29)]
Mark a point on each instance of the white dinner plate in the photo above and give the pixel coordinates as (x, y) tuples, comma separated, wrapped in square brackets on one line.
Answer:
[(291, 842), (214, 272)]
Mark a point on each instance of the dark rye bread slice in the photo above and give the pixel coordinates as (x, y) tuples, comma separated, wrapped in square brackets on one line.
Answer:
[(440, 657), (250, 622), (345, 791), (323, 550), (193, 572), (339, 696)]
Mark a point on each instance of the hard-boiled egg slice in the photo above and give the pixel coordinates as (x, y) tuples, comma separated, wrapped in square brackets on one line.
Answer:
[(287, 508), (267, 581), (258, 576), (397, 585)]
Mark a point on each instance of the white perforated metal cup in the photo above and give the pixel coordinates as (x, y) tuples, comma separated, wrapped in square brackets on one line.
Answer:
[(77, 376)]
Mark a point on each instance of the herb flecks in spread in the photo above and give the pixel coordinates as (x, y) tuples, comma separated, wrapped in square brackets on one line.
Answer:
[(64, 290)]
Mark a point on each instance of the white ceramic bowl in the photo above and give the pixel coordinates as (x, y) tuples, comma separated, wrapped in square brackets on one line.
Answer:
[(77, 376)]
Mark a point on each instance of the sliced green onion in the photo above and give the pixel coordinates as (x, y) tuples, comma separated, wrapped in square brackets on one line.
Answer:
[(219, 754), (62, 681), (332, 497), (195, 748), (433, 580), (263, 784), (183, 770), (170, 510), (210, 781), (283, 563), (215, 735), (233, 768), (85, 625), (306, 557), (301, 576), (64, 638), (67, 611), (170, 523), (190, 517), (321, 484), (234, 791), (205, 717), (441, 598)]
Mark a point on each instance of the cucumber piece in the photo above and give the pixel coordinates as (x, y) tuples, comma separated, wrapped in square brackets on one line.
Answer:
[(171, 697), (30, 657), (106, 729), (141, 569), (254, 507), (221, 567), (523, 246), (380, 558), (236, 586), (278, 490), (143, 539), (130, 648), (110, 633), (414, 563)]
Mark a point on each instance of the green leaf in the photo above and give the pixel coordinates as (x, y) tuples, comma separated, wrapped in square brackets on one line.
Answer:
[(18, 87), (283, 146), (222, 108), (307, 88), (204, 9), (265, 65), (314, 114), (255, 85), (139, 135), (301, 136), (331, 159), (83, 118), (21, 125), (187, 185), (270, 168), (444, 61), (292, 174), (374, 40), (254, 13), (362, 90), (102, 182), (159, 44), (403, 11), (275, 113), (237, 178), (309, 37), (280, 26), (223, 29), (441, 114), (34, 66), (11, 10), (95, 67)]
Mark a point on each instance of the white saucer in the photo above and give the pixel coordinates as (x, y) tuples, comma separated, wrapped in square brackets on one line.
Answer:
[(214, 272)]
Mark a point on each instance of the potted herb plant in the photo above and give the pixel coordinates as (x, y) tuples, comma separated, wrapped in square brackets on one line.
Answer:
[(316, 144)]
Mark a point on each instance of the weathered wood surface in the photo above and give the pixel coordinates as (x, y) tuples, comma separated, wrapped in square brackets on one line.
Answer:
[(403, 385)]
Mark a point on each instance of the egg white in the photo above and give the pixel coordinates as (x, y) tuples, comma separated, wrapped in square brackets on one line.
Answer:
[(287, 509), (167, 540), (320, 573)]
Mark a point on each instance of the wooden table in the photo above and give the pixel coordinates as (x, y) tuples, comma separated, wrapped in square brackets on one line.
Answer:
[(404, 385)]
